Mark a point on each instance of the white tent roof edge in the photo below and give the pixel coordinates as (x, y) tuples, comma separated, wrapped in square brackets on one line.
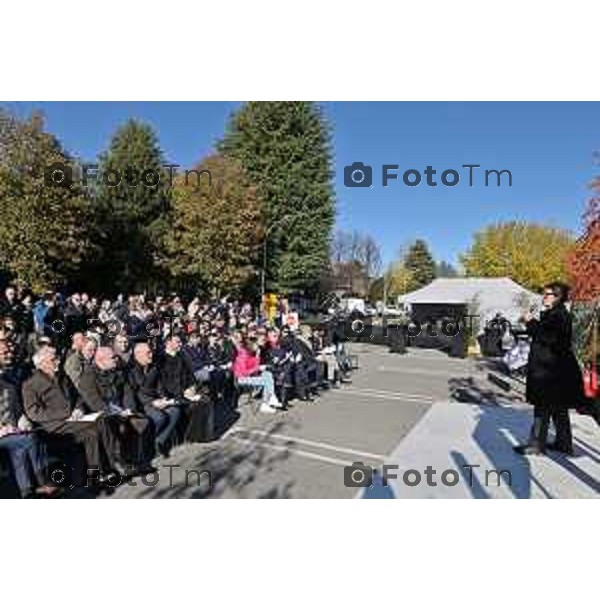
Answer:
[(486, 295)]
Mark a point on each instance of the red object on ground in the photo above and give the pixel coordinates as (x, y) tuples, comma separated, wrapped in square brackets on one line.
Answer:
[(590, 382)]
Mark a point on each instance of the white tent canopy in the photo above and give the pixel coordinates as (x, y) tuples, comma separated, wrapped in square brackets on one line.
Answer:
[(484, 295)]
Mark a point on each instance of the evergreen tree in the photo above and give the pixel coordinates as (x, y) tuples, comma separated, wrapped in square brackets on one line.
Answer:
[(131, 217), (44, 226), (285, 149), (420, 263)]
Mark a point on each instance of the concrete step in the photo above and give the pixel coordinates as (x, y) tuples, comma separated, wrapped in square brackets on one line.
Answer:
[(476, 441)]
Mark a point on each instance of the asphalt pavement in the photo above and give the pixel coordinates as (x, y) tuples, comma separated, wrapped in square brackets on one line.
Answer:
[(412, 411), (301, 453)]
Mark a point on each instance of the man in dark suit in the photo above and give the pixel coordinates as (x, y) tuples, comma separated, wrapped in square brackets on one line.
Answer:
[(103, 388), (176, 377), (75, 317), (53, 322), (148, 396), (10, 305), (179, 384)]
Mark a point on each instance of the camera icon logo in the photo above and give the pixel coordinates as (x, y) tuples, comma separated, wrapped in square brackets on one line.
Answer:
[(358, 175), (358, 475), (358, 326), (58, 175), (61, 475)]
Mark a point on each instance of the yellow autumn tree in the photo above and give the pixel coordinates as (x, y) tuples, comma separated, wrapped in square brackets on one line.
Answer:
[(396, 280), (400, 280), (528, 253), (216, 228), (44, 227)]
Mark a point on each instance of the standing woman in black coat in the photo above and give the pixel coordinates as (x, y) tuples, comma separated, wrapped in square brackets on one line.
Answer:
[(554, 380)]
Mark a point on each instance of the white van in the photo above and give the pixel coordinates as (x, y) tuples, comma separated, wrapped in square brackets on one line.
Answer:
[(349, 305)]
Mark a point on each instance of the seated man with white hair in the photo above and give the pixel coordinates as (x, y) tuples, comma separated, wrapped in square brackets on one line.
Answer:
[(148, 396), (51, 405), (103, 388), (83, 350)]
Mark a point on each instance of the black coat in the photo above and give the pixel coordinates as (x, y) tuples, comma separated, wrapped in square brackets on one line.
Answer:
[(175, 375), (75, 320), (54, 326), (553, 375), (219, 354), (99, 388), (143, 386), (11, 309), (10, 403), (196, 357)]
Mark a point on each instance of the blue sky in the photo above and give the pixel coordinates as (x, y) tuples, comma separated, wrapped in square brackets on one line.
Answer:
[(547, 146)]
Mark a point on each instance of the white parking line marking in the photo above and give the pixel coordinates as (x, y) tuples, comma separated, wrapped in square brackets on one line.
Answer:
[(323, 445), (428, 372), (385, 395), (435, 355), (391, 393)]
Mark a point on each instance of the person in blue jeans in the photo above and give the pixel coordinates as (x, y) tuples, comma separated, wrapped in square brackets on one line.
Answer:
[(21, 449), (147, 396), (28, 459), (165, 421)]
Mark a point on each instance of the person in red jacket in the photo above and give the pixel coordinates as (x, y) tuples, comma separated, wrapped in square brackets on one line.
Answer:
[(248, 371)]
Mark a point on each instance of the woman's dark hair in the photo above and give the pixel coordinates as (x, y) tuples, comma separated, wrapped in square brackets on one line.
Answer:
[(560, 290), (26, 292), (248, 343)]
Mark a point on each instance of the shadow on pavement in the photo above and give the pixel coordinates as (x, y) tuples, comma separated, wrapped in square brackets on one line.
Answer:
[(496, 419), (233, 466)]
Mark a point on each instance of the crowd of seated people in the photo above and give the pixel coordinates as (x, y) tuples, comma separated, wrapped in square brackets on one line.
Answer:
[(107, 386)]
